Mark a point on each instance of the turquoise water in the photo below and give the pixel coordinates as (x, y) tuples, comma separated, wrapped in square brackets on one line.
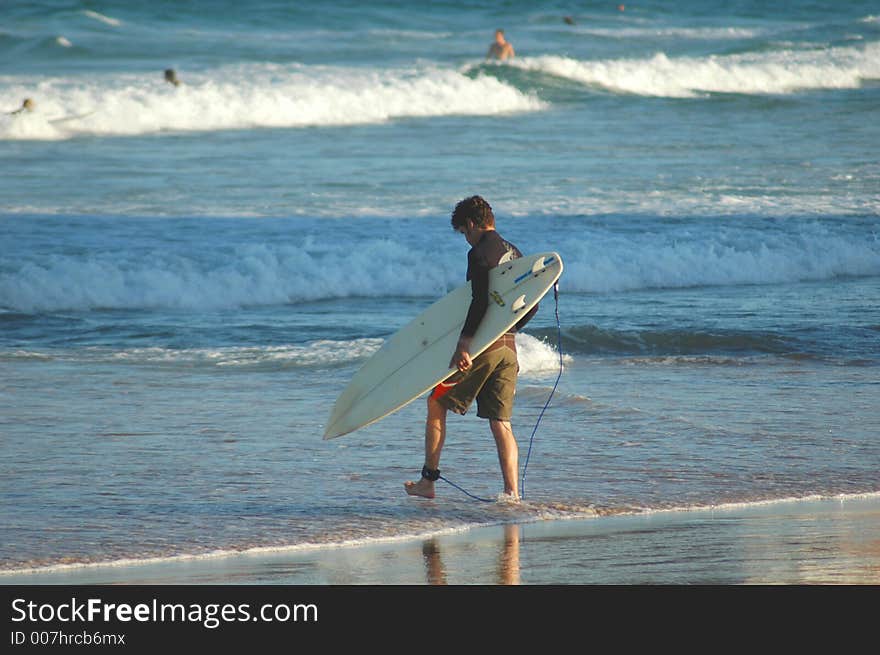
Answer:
[(190, 275)]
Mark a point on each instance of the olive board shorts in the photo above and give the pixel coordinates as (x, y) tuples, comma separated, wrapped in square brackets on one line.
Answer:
[(491, 380)]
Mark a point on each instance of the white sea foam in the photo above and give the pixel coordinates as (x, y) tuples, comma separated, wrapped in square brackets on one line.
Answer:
[(673, 32), (317, 353), (248, 96), (537, 357), (752, 504), (780, 72), (259, 550)]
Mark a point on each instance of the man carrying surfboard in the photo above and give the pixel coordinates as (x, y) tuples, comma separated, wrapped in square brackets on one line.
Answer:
[(489, 378)]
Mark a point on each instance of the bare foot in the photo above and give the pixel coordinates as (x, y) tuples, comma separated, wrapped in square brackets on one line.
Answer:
[(423, 488)]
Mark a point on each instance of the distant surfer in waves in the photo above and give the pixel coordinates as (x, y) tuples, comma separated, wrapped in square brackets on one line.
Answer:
[(490, 378), (27, 105), (501, 48), (171, 77)]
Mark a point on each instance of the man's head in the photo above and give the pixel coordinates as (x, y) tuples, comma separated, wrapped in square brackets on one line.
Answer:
[(473, 209), (499, 37), (472, 217)]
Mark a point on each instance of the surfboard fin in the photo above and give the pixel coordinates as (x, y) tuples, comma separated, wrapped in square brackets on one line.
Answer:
[(540, 264), (518, 304)]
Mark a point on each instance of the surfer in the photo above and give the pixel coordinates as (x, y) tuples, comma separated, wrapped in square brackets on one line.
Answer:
[(490, 378), (27, 105), (501, 48), (171, 77)]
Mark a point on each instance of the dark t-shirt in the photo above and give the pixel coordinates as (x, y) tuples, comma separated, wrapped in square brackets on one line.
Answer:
[(491, 251)]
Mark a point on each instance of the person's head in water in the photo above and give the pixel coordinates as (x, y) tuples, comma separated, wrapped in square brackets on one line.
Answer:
[(474, 209), (171, 77), (500, 48)]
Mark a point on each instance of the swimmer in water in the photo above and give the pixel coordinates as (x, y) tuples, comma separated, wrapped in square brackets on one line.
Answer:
[(501, 49), (171, 77)]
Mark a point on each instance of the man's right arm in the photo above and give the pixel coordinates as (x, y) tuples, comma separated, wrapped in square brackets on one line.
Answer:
[(479, 278)]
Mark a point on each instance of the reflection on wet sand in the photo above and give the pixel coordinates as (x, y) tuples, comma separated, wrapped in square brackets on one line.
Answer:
[(434, 570), (507, 570)]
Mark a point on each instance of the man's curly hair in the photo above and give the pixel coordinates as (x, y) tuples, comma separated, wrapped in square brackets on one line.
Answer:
[(474, 209)]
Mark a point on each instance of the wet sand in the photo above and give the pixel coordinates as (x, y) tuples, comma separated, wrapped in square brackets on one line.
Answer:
[(812, 541)]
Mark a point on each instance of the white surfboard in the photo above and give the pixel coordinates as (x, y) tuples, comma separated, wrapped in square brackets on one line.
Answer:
[(416, 358)]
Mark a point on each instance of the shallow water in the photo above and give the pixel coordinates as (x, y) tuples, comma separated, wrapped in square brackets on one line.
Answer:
[(189, 276)]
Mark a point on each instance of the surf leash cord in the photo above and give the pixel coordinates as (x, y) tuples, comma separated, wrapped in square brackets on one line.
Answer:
[(466, 492), (522, 484), (434, 474)]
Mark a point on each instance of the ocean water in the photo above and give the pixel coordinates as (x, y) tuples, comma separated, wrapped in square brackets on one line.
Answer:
[(190, 275)]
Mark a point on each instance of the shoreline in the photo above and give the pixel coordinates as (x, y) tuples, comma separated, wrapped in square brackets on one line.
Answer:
[(812, 540)]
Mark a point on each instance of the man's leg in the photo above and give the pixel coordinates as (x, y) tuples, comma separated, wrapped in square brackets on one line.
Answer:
[(435, 436), (508, 455)]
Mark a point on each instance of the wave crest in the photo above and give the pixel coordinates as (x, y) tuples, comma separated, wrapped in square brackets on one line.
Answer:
[(248, 96), (781, 72)]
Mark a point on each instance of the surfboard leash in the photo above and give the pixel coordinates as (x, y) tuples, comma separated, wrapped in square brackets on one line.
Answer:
[(465, 492), (522, 485)]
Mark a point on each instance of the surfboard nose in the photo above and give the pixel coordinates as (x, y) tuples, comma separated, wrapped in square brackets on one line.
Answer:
[(331, 432), (336, 426)]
